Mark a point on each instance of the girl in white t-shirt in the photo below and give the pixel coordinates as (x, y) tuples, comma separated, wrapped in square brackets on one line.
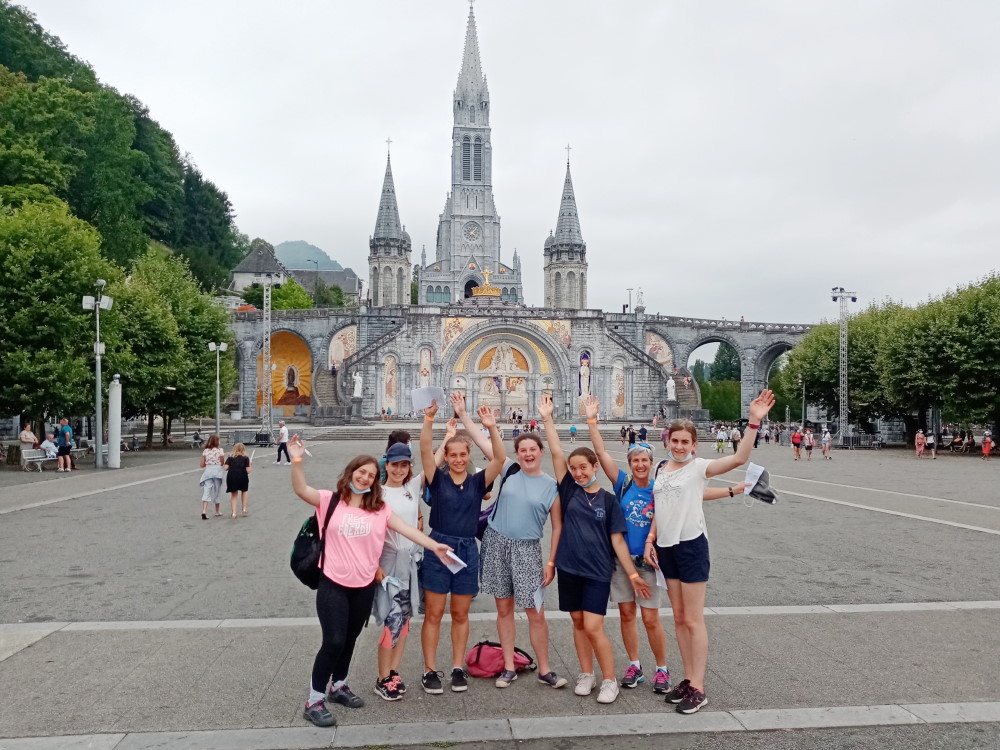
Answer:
[(677, 543), (212, 460)]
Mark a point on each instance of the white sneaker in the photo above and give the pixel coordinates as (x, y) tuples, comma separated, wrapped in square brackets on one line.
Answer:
[(584, 684), (609, 691)]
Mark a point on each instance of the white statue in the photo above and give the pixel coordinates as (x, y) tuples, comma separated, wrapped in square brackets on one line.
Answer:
[(584, 376), (671, 389), (358, 384)]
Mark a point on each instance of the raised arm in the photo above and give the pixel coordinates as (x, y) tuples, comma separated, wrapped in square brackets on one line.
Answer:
[(400, 526), (426, 438), (545, 410), (592, 407), (449, 432), (475, 434), (296, 449), (717, 493), (759, 408), (499, 453)]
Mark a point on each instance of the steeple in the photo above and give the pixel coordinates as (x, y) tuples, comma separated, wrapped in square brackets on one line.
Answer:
[(387, 225), (471, 92), (568, 225)]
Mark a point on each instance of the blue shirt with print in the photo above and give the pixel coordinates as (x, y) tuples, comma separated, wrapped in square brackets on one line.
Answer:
[(637, 506)]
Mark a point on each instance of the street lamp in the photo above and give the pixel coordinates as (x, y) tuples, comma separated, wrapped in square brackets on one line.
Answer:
[(802, 382), (316, 279), (98, 303), (217, 348), (838, 294)]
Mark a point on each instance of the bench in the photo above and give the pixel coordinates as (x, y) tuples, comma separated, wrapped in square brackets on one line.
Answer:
[(34, 457), (190, 442)]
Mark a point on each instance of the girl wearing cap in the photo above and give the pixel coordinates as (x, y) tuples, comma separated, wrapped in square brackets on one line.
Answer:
[(635, 494), (352, 543), (511, 569), (678, 546), (456, 499)]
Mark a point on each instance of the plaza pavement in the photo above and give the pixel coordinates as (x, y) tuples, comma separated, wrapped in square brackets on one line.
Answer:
[(868, 597)]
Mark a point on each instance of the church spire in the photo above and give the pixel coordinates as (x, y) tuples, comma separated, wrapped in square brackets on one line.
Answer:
[(387, 225), (471, 92), (568, 225)]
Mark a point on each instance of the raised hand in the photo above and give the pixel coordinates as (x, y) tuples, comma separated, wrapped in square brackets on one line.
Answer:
[(593, 407), (458, 403), (486, 416), (431, 410), (761, 405), (296, 448), (545, 407), (452, 427)]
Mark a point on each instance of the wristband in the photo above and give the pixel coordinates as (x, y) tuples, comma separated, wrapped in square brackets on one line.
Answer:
[(650, 541), (731, 492), (428, 419), (551, 563), (297, 460), (633, 577), (753, 426), (591, 421)]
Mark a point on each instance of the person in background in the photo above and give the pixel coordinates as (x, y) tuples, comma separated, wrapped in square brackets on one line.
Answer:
[(212, 459), (48, 445), (27, 438), (572, 433), (65, 443), (797, 443), (987, 444), (825, 441), (282, 442), (919, 443), (396, 436), (931, 444), (237, 468)]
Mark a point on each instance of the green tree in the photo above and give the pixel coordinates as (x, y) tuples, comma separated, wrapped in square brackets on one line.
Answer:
[(721, 398), (726, 365), (288, 296), (328, 296), (414, 292), (698, 371), (27, 48), (48, 261)]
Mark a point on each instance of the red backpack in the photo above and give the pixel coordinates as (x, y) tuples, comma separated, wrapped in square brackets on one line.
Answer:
[(485, 659)]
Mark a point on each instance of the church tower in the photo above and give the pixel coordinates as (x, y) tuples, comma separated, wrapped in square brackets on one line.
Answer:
[(389, 250), (468, 235), (565, 256)]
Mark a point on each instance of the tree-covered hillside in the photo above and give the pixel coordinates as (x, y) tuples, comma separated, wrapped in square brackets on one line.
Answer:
[(300, 254)]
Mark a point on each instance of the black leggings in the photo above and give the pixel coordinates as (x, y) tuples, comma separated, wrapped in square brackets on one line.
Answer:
[(342, 613), (283, 447)]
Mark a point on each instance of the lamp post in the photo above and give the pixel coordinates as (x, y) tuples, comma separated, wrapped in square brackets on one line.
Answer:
[(98, 303), (802, 382), (315, 279), (217, 348), (838, 294)]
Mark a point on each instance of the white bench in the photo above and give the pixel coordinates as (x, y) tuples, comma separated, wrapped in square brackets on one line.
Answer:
[(34, 457)]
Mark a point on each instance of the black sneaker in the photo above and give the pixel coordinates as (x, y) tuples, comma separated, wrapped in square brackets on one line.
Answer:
[(345, 697), (677, 694), (693, 700), (431, 682), (319, 714), (459, 681), (386, 689), (400, 685)]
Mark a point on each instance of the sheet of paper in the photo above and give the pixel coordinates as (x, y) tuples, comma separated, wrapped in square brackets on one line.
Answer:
[(753, 474), (457, 562), (660, 580), (539, 597), (421, 398)]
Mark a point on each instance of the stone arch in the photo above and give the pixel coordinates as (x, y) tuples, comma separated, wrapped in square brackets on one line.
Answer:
[(571, 300), (767, 356), (557, 290), (291, 352), (468, 284), (388, 278)]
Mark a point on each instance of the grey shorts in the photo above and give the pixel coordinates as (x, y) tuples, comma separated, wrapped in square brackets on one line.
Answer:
[(622, 591), (510, 568)]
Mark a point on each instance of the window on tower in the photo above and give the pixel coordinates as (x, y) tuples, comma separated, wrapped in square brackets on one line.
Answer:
[(477, 164), (466, 158)]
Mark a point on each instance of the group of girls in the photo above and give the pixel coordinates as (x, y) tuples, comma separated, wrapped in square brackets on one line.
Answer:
[(603, 546), (235, 470)]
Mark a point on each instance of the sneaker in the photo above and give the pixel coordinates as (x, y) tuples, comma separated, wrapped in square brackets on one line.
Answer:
[(584, 684), (677, 694), (345, 697), (431, 682), (609, 692), (552, 680), (633, 676), (661, 682), (386, 689), (319, 714), (505, 678), (459, 680), (400, 685), (693, 700)]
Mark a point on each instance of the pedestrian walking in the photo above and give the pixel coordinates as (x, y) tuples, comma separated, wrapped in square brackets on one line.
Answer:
[(720, 440), (809, 442), (572, 433), (734, 437), (282, 442), (678, 544), (920, 442), (987, 444), (237, 468), (593, 536), (797, 443), (352, 544), (825, 441), (212, 459), (931, 444)]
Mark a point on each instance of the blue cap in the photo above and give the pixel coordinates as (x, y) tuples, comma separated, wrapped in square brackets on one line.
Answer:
[(398, 452)]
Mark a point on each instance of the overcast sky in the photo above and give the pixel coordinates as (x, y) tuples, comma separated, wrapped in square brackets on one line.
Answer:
[(731, 158)]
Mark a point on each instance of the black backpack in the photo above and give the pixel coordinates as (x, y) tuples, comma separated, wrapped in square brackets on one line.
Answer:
[(307, 549)]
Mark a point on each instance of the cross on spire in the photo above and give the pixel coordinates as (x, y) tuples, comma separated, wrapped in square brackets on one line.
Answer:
[(388, 144), (568, 147)]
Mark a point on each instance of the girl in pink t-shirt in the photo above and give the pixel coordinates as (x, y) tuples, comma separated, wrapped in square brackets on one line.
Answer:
[(353, 543)]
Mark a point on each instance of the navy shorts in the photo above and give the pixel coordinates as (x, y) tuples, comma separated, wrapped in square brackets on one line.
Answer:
[(435, 577), (580, 594), (687, 562)]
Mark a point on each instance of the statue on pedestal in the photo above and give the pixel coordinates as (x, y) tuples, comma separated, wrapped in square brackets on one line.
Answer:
[(671, 389), (358, 384)]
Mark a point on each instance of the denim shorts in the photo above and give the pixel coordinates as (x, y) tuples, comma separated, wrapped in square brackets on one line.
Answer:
[(686, 561), (436, 578)]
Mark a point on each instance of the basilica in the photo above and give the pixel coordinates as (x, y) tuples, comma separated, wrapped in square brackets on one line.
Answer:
[(471, 329)]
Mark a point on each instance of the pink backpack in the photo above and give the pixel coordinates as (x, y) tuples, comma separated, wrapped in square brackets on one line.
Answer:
[(485, 659)]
